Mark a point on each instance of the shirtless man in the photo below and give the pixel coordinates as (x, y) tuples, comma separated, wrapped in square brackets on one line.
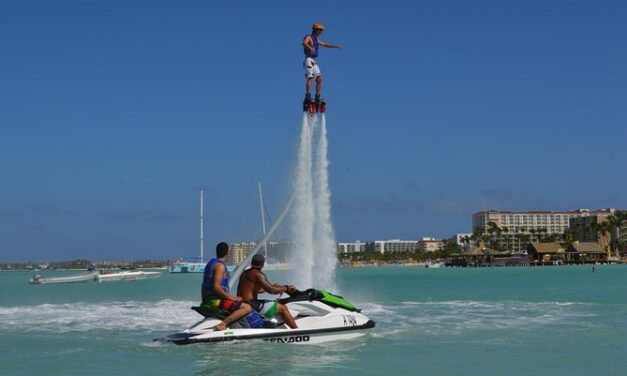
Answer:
[(254, 281)]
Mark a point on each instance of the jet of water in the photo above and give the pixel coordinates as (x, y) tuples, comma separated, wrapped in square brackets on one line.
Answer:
[(313, 254)]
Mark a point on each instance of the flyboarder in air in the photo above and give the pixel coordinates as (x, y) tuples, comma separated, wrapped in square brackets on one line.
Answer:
[(312, 69)]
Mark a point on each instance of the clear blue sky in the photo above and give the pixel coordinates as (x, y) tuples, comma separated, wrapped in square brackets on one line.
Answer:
[(114, 113)]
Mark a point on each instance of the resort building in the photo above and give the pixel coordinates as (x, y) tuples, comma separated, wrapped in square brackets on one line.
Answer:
[(275, 251), (546, 253), (483, 256), (430, 244), (514, 230), (392, 245), (354, 247), (584, 231), (463, 240), (586, 252), (238, 252)]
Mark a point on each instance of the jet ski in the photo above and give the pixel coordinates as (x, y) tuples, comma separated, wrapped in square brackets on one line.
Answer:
[(320, 315)]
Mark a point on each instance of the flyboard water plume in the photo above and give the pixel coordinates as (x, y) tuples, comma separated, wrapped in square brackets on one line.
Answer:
[(312, 255), (324, 235)]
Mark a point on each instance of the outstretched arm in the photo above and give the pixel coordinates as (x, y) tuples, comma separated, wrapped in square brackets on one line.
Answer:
[(329, 45)]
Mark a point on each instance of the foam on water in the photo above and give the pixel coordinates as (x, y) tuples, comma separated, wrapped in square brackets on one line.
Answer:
[(462, 317), (77, 317)]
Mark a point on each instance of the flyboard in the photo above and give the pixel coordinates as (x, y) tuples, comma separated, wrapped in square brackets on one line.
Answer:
[(313, 106)]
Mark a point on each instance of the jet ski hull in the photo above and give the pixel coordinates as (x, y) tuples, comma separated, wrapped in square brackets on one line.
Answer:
[(317, 322), (296, 336)]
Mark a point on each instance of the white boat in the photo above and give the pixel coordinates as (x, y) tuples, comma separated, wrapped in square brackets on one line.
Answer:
[(89, 276), (188, 267), (182, 266), (126, 275)]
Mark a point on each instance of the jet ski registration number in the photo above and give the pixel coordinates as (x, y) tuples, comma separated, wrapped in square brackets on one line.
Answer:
[(349, 320)]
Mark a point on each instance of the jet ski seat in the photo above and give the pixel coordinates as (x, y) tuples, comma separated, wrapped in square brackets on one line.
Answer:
[(238, 324)]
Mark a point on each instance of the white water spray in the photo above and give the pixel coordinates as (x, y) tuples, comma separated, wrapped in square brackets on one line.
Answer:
[(324, 235), (313, 256)]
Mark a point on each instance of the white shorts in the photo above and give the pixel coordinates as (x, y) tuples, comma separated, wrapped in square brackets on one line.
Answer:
[(312, 69)]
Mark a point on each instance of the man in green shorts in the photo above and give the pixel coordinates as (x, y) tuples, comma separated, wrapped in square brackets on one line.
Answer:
[(254, 281), (215, 290)]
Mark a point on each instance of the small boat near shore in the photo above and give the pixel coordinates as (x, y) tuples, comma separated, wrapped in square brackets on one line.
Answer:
[(126, 275), (89, 276)]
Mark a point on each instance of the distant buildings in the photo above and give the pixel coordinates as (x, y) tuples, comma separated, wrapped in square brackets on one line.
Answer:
[(277, 251), (392, 245), (354, 247), (586, 228), (238, 252), (463, 240), (514, 230), (430, 244)]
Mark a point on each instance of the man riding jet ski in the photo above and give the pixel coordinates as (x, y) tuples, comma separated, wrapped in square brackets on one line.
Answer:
[(315, 316), (319, 315), (253, 281)]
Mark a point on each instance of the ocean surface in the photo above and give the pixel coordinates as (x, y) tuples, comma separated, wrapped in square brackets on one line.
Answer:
[(445, 321)]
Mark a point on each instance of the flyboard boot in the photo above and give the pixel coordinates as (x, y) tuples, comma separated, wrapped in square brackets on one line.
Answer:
[(321, 105)]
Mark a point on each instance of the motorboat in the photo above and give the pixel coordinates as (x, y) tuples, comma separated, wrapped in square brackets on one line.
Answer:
[(187, 267), (320, 315), (126, 275), (89, 276)]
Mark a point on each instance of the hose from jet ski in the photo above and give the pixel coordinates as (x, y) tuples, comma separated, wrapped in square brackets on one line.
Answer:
[(240, 268)]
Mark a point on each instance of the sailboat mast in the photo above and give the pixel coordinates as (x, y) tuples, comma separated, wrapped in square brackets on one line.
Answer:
[(202, 254), (263, 221)]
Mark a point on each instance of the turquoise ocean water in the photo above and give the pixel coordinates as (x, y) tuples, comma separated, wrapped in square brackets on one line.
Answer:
[(501, 321)]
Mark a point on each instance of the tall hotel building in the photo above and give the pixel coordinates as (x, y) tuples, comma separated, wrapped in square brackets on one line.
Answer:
[(520, 228)]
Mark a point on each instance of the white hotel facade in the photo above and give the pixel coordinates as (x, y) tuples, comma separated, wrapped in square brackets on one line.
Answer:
[(519, 228)]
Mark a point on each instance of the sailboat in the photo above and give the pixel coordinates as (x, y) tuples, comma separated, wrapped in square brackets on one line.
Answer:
[(269, 265), (182, 266)]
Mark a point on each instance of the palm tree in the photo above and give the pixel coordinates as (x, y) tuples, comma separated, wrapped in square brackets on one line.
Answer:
[(568, 237), (602, 229), (615, 222)]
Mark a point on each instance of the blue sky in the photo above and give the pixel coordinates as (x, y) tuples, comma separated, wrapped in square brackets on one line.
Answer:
[(113, 114)]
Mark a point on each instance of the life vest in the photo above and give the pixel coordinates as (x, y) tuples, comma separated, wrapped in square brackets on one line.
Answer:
[(254, 320), (307, 51), (207, 281)]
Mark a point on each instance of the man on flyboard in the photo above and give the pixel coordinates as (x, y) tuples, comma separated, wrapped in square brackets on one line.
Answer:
[(311, 44)]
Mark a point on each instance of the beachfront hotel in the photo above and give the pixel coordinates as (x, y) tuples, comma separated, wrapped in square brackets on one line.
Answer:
[(514, 230), (426, 244), (238, 252), (354, 247), (391, 245)]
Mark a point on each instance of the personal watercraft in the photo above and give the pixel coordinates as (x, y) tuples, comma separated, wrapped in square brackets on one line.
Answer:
[(320, 315)]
